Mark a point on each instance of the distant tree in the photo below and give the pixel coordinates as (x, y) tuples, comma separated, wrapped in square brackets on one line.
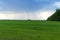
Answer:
[(29, 19), (55, 16)]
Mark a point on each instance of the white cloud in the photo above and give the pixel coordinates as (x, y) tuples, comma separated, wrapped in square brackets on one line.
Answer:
[(43, 15), (57, 4), (39, 15), (12, 15), (15, 15)]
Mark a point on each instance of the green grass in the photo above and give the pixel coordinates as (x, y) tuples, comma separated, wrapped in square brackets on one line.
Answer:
[(29, 30)]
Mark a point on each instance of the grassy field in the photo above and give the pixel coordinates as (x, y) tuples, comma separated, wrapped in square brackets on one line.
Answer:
[(29, 30)]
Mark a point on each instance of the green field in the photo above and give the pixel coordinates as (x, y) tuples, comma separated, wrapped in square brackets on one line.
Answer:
[(29, 30)]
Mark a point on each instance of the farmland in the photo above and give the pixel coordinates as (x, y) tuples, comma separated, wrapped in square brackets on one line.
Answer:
[(29, 30)]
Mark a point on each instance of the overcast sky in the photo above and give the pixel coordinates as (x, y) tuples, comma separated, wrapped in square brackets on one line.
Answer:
[(28, 9)]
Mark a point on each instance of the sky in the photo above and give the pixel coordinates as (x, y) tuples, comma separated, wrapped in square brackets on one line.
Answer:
[(28, 9)]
